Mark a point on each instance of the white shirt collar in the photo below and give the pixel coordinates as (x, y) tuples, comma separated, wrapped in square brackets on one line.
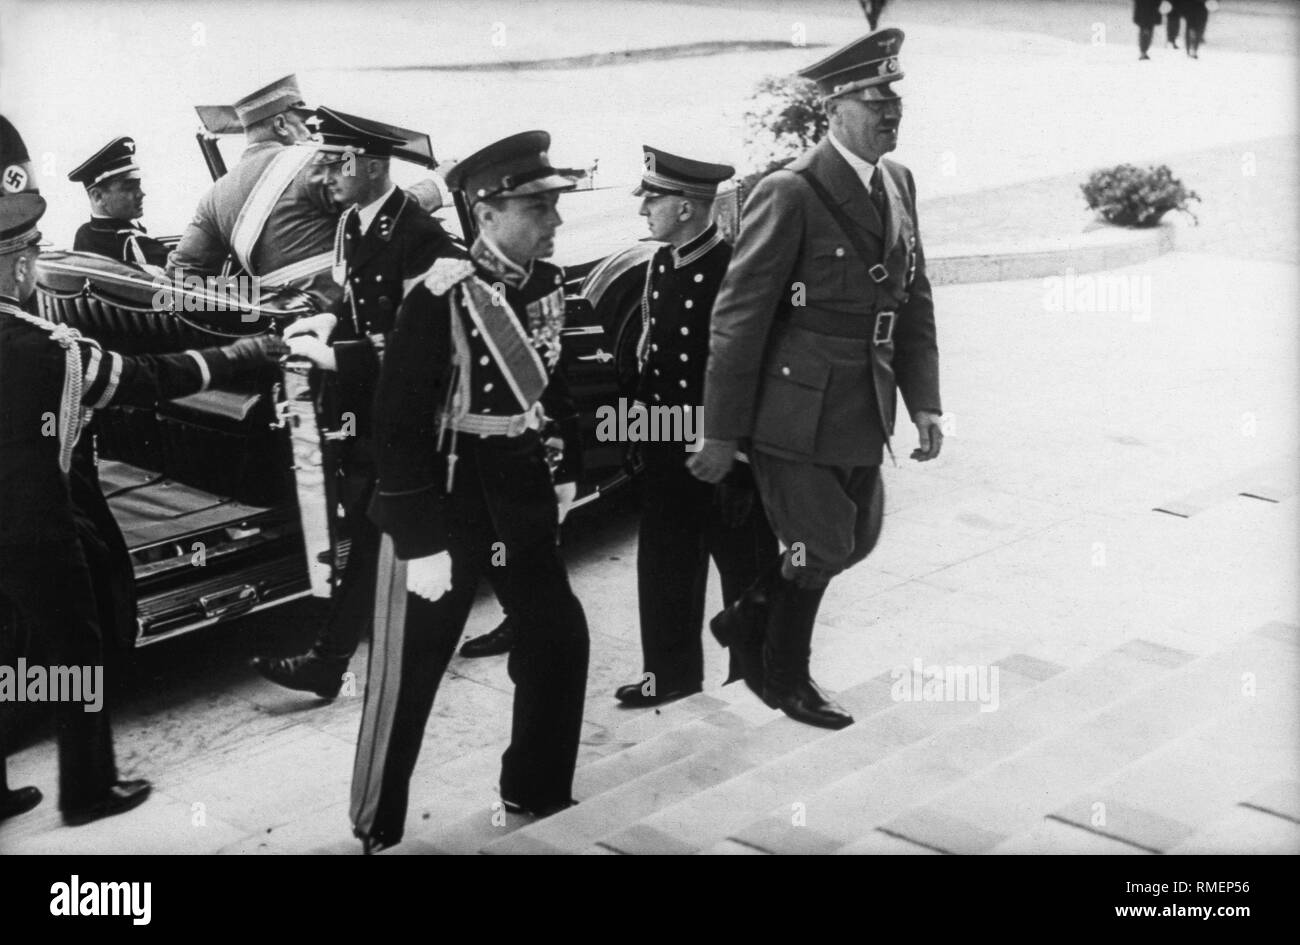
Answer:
[(862, 167), (366, 215)]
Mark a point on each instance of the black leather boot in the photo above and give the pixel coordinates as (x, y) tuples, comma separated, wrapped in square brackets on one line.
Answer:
[(309, 672), (787, 684), (741, 626)]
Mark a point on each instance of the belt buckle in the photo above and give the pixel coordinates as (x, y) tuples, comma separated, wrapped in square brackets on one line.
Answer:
[(517, 425), (884, 333), (878, 273)]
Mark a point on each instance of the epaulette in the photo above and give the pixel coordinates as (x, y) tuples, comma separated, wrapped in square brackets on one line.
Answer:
[(445, 273)]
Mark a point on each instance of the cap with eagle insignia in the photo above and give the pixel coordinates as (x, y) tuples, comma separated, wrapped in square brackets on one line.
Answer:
[(19, 215), (866, 68), (115, 159), (270, 100), (342, 134), (516, 166), (667, 173)]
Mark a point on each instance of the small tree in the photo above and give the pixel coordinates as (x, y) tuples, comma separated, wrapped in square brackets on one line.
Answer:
[(784, 119)]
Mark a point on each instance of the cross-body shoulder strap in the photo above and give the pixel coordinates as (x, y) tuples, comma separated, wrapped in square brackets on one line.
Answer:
[(841, 218)]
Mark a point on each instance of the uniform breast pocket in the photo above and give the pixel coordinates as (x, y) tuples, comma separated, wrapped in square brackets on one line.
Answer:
[(830, 270), (791, 400)]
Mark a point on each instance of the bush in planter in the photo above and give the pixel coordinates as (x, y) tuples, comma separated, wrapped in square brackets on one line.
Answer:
[(785, 118), (1128, 195)]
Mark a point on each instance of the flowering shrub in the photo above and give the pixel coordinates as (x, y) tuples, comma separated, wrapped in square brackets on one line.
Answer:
[(1132, 196), (784, 119)]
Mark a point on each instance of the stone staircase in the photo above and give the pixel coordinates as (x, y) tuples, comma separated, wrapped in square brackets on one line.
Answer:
[(1145, 748)]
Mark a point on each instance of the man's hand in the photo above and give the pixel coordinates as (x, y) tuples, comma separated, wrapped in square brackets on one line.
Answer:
[(320, 325), (565, 493), (255, 351), (429, 577), (930, 434), (314, 350), (428, 194), (713, 461)]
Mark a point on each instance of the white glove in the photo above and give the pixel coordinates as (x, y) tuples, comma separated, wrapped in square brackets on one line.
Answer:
[(321, 325), (565, 493), (429, 577), (314, 350)]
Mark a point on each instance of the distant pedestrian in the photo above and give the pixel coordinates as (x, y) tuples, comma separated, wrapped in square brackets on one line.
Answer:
[(872, 10), (1196, 13), (1146, 14), (1173, 21)]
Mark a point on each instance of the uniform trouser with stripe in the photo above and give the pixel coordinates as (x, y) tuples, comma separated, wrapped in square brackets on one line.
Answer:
[(681, 529), (828, 517), (502, 512), (51, 594), (352, 605)]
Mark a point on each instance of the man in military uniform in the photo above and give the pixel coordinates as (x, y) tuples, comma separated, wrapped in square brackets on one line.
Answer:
[(384, 243), (52, 511), (465, 394), (825, 310), (112, 181), (684, 522), (270, 212)]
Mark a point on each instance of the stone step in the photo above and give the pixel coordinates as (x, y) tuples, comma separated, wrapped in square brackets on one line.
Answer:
[(1243, 830), (1050, 837), (987, 809), (843, 786), (488, 823), (884, 723), (1231, 757)]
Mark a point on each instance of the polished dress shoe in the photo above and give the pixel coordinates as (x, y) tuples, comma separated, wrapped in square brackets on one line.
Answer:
[(806, 703), (308, 673), (633, 695), (18, 801), (545, 810), (118, 799), (495, 643)]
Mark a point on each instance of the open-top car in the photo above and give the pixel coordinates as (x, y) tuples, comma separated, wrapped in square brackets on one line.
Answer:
[(205, 488)]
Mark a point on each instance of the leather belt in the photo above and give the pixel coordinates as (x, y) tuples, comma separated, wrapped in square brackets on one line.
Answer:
[(483, 424)]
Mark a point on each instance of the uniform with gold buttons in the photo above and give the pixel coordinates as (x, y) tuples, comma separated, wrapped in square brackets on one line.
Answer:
[(685, 523)]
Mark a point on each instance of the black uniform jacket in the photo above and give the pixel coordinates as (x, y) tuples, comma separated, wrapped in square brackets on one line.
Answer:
[(393, 254), (414, 384), (680, 287), (121, 240)]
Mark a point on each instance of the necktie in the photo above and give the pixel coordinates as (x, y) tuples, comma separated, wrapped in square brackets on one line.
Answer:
[(352, 230), (877, 192)]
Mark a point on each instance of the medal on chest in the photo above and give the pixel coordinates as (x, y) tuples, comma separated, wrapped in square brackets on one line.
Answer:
[(545, 323)]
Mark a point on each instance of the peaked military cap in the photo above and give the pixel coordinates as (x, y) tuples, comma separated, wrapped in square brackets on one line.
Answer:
[(667, 173), (866, 68), (342, 134), (115, 159), (512, 167), (19, 214), (278, 97)]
